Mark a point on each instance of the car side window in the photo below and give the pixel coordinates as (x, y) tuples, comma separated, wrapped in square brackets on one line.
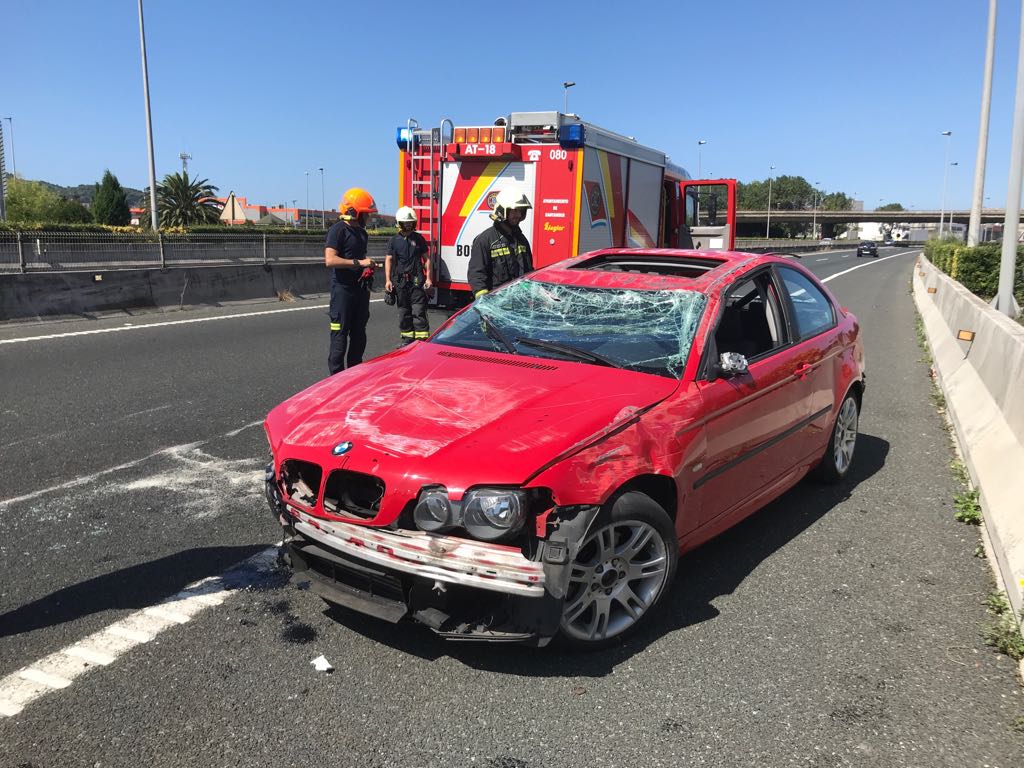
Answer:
[(812, 310), (751, 322)]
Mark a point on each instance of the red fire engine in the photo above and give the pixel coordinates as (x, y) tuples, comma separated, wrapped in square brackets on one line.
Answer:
[(590, 189)]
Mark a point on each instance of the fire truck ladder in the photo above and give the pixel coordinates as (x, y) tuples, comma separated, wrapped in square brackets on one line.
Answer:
[(427, 146)]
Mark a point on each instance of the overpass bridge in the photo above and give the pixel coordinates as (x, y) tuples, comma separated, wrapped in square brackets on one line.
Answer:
[(988, 216)]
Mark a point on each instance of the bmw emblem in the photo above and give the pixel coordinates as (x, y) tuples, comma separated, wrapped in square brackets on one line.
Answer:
[(342, 448)]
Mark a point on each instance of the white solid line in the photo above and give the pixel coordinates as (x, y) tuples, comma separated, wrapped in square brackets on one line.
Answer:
[(868, 264), (43, 678), (164, 324), (30, 683), (821, 259)]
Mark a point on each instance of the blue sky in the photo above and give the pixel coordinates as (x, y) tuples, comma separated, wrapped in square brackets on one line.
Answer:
[(853, 95)]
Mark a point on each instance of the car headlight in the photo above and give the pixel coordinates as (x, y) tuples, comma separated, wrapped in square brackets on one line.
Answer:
[(491, 513), (433, 510)]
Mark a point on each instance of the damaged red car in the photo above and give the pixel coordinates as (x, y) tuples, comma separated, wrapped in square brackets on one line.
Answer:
[(538, 465)]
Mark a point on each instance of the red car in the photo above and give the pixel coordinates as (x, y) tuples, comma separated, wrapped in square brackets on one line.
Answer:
[(537, 466)]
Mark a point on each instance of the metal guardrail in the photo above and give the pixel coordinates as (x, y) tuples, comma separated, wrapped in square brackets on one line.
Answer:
[(44, 251)]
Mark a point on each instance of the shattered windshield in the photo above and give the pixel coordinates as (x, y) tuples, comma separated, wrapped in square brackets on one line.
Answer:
[(647, 331)]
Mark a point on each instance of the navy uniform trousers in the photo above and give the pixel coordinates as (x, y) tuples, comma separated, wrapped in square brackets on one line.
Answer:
[(350, 312)]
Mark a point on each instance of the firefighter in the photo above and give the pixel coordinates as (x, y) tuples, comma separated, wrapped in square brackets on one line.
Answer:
[(351, 279), (407, 273), (502, 252)]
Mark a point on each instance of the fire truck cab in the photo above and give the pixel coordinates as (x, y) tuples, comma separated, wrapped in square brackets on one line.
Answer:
[(590, 188)]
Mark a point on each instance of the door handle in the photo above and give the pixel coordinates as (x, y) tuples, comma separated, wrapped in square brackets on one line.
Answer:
[(803, 370)]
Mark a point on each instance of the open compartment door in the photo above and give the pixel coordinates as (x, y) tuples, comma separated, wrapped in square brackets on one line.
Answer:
[(709, 214)]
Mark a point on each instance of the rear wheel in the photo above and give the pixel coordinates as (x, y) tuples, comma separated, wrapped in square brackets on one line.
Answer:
[(621, 572), (841, 446)]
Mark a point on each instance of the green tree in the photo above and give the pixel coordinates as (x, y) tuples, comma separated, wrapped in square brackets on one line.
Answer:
[(68, 211), (891, 207), (110, 203), (182, 201), (29, 202)]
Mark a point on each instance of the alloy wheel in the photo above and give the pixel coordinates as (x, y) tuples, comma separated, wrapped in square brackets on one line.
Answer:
[(845, 438), (616, 577)]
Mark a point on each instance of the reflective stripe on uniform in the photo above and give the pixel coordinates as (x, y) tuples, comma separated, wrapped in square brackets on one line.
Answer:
[(335, 326), (479, 293), (422, 334), (407, 334)]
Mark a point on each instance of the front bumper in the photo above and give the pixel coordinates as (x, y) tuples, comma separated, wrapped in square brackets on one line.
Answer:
[(460, 588)]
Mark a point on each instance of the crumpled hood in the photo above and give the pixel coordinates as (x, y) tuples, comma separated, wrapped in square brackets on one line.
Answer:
[(458, 417)]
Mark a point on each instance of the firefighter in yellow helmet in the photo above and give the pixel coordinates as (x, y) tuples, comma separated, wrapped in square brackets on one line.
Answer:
[(351, 280), (502, 252), (407, 273)]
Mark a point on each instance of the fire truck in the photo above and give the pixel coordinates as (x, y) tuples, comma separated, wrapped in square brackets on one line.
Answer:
[(590, 188)]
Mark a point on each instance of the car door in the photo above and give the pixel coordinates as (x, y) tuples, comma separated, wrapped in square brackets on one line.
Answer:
[(817, 348), (754, 421)]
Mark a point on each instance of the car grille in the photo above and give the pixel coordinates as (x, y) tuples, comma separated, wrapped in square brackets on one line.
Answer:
[(300, 481), (353, 494)]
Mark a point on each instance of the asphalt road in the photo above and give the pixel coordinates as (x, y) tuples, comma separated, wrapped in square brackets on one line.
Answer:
[(837, 627)]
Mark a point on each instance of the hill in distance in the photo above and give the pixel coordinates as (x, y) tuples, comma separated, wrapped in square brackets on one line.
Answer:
[(83, 193)]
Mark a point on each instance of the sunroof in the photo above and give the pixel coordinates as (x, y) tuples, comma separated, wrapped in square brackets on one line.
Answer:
[(669, 266)]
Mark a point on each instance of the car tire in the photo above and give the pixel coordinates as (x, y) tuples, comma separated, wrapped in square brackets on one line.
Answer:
[(838, 456), (620, 574)]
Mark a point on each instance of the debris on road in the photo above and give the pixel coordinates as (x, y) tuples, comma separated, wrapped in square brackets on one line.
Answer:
[(320, 664)]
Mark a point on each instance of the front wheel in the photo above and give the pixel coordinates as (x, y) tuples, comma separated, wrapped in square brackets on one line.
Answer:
[(621, 572), (838, 456)]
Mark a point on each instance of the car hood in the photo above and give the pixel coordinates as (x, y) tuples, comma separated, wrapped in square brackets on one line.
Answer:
[(458, 417)]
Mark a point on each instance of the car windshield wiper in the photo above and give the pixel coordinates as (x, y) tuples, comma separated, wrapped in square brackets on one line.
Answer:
[(495, 332), (566, 349)]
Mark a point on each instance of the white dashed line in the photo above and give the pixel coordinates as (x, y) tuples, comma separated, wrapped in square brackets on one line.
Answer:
[(821, 259), (59, 670)]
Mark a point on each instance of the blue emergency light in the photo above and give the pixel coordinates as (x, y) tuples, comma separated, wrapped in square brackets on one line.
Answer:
[(571, 136), (402, 138)]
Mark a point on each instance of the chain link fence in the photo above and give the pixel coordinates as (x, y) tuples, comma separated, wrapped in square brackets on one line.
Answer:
[(43, 251)]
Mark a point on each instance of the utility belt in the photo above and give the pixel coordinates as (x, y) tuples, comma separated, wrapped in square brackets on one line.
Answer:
[(409, 279)]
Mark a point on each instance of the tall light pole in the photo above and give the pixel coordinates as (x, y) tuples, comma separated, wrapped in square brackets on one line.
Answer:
[(565, 92), (323, 201), (306, 217), (185, 157), (814, 216), (1011, 219), (700, 143), (945, 174), (949, 224), (974, 226), (14, 161), (149, 123), (768, 226)]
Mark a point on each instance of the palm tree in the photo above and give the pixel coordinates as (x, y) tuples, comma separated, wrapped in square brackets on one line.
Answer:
[(182, 201)]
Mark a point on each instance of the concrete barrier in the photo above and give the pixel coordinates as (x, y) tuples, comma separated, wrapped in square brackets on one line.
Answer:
[(983, 382), (50, 294)]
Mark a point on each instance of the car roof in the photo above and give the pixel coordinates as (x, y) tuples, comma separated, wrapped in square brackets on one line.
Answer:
[(651, 268)]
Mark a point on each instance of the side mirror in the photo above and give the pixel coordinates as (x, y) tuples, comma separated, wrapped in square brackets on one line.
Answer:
[(731, 364)]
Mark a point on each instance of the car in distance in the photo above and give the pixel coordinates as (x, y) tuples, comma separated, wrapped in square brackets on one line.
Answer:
[(867, 248), (538, 465)]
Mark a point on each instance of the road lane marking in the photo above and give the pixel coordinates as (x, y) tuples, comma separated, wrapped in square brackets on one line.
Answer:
[(860, 266), (61, 668), (143, 326), (821, 259)]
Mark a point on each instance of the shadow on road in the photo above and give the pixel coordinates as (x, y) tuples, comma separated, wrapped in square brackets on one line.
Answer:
[(137, 586), (715, 569)]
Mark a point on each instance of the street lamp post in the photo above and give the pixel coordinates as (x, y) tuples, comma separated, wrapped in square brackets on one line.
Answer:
[(974, 225), (565, 92), (149, 123), (814, 215), (700, 143), (945, 174), (14, 161), (323, 201), (768, 226), (306, 217)]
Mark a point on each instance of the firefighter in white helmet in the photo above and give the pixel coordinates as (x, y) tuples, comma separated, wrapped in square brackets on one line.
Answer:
[(502, 252), (407, 274)]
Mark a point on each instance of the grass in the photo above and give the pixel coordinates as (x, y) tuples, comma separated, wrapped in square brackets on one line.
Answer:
[(1004, 633), (968, 509)]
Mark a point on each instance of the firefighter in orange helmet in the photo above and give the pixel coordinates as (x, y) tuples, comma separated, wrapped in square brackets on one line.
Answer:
[(351, 279)]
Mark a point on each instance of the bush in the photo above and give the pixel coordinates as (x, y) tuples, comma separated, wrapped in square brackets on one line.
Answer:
[(977, 269)]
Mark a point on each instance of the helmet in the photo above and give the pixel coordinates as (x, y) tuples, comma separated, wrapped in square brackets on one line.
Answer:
[(355, 202), (509, 198), (405, 215)]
